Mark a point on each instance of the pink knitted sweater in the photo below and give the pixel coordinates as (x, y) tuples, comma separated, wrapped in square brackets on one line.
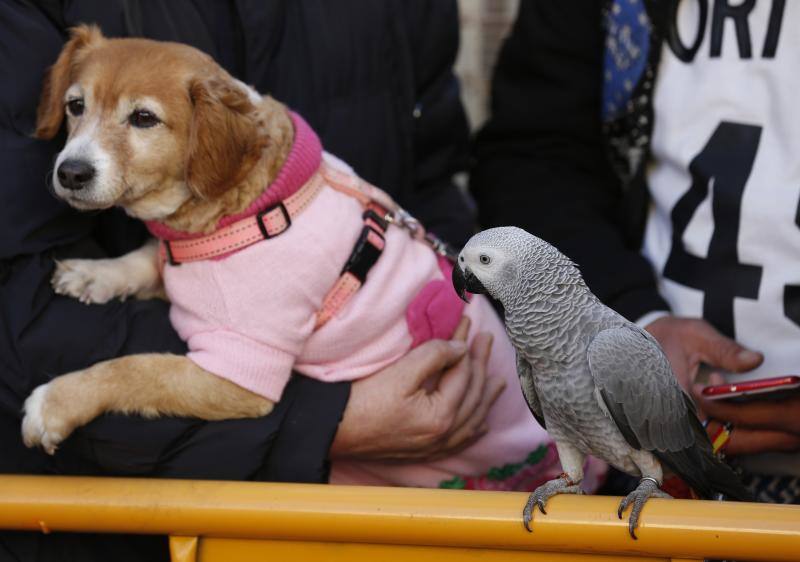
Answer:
[(250, 316)]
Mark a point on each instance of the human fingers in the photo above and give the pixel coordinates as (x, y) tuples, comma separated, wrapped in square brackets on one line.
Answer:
[(462, 330), (718, 350), (783, 415), (455, 389), (750, 442), (431, 381), (454, 383), (476, 427), (389, 415), (426, 361), (479, 357)]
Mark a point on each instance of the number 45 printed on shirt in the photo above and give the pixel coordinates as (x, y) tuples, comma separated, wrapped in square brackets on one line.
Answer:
[(726, 160)]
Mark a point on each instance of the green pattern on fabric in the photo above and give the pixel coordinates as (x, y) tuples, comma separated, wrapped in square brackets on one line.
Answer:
[(536, 456), (500, 473), (509, 470), (455, 483)]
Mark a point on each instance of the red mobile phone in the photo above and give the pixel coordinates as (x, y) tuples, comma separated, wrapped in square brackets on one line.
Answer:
[(775, 388)]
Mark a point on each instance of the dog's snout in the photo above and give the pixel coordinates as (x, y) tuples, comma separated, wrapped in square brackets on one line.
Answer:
[(74, 174)]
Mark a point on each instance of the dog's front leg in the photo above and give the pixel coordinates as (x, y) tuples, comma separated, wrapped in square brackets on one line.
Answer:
[(98, 281), (148, 384)]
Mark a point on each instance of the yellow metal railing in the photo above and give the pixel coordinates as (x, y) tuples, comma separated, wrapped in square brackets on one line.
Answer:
[(232, 521)]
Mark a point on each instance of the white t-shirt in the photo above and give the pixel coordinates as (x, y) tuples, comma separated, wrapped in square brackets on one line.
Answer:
[(723, 233)]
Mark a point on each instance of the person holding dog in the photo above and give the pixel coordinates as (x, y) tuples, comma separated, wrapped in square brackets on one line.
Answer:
[(401, 124)]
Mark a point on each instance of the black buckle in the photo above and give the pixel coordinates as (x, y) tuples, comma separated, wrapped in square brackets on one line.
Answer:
[(380, 220), (363, 256), (168, 251), (263, 227)]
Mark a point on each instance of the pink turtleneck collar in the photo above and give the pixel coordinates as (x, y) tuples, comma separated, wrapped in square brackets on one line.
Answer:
[(302, 162)]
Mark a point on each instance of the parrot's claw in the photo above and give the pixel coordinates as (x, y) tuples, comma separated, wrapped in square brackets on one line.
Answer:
[(539, 497), (527, 513), (540, 503), (526, 519), (647, 488)]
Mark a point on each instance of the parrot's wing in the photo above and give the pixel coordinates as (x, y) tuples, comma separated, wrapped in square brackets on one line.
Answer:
[(639, 390), (529, 391), (643, 397)]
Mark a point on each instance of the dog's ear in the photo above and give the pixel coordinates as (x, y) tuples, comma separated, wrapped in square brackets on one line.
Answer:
[(50, 113), (224, 140)]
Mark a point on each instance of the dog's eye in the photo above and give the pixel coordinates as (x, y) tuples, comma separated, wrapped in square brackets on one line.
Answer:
[(485, 260), (75, 107), (143, 119)]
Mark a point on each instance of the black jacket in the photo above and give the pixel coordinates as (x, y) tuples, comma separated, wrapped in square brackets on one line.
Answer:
[(373, 78), (544, 160)]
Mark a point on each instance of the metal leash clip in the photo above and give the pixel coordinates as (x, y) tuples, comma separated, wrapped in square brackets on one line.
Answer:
[(441, 247), (406, 220)]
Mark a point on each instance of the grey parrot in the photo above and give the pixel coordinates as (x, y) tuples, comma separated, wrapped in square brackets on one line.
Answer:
[(598, 383)]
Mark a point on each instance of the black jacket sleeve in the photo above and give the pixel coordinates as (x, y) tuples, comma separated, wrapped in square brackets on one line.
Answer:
[(541, 162), (440, 129)]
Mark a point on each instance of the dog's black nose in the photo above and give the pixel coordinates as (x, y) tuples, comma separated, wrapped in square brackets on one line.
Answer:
[(75, 174)]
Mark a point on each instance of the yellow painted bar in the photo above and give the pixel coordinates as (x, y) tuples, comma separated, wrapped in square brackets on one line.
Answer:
[(183, 549), (235, 550), (451, 519)]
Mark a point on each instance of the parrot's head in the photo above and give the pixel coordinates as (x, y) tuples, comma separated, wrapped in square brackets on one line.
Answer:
[(507, 262)]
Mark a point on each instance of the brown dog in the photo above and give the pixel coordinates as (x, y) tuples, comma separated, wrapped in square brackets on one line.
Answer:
[(186, 146)]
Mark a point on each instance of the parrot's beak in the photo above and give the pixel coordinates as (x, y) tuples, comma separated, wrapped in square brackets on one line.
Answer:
[(460, 283), (464, 281)]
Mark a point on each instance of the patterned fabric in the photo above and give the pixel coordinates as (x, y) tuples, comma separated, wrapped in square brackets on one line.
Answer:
[(773, 489), (627, 46), (537, 468), (631, 55)]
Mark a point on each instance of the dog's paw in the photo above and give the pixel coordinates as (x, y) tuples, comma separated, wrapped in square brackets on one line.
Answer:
[(89, 281), (266, 408), (42, 426)]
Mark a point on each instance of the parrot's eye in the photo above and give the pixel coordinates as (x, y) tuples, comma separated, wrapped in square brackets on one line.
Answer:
[(485, 260)]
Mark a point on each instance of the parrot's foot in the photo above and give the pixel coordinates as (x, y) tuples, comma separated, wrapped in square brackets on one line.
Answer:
[(647, 488), (539, 497)]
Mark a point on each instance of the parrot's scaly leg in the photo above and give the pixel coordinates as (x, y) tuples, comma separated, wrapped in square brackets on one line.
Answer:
[(539, 497), (567, 483), (647, 488)]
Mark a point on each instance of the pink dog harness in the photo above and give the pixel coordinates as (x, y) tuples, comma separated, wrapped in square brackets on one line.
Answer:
[(267, 218), (265, 224)]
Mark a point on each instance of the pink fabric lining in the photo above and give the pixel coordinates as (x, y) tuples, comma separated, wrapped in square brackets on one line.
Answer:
[(436, 310), (303, 161)]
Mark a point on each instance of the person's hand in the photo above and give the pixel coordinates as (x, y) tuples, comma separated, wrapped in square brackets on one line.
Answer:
[(687, 342), (430, 404), (759, 425)]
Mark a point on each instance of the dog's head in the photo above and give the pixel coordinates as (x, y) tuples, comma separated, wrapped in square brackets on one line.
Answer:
[(151, 124)]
